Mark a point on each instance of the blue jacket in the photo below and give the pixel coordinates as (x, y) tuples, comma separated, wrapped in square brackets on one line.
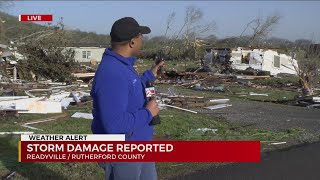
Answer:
[(119, 99)]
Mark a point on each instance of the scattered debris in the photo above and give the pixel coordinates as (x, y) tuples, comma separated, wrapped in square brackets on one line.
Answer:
[(314, 106), (199, 87), (309, 102), (253, 77), (50, 102), (11, 175), (83, 75), (316, 99), (211, 88), (217, 88), (172, 91), (188, 101), (175, 107), (65, 102), (219, 101), (30, 127), (278, 143), (8, 98), (207, 129), (26, 132), (75, 96), (29, 94), (263, 60), (219, 106), (256, 94), (82, 115), (174, 165), (41, 121)]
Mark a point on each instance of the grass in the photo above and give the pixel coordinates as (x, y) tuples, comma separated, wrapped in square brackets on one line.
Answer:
[(234, 92), (274, 95), (283, 81), (175, 125)]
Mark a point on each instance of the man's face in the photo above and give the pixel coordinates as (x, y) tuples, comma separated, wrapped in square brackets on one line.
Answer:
[(136, 47)]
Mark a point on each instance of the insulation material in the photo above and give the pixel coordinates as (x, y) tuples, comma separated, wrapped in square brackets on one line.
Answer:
[(39, 107), (12, 104)]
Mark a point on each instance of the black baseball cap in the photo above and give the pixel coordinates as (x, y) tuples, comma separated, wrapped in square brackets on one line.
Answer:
[(127, 28)]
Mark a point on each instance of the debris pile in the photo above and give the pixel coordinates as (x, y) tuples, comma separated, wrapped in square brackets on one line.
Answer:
[(182, 102), (189, 101), (42, 101), (310, 102)]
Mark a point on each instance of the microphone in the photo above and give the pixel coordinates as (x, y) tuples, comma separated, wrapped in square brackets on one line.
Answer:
[(151, 93)]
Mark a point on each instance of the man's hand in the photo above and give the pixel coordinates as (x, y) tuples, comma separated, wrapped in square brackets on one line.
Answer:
[(156, 68), (152, 106)]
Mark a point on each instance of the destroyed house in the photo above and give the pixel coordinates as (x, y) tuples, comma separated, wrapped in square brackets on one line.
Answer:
[(263, 59), (8, 61)]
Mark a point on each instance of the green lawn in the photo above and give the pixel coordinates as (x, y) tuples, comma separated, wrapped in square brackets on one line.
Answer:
[(237, 92)]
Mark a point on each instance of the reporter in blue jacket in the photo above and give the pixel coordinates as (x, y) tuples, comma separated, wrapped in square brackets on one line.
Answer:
[(119, 102)]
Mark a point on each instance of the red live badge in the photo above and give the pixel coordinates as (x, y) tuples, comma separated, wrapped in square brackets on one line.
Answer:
[(35, 18)]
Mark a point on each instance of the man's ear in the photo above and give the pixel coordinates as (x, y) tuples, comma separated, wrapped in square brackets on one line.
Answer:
[(131, 44)]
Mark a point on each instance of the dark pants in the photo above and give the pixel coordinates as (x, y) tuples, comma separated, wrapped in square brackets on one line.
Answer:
[(129, 171)]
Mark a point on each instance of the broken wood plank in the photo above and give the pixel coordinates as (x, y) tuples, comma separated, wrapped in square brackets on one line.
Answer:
[(11, 175), (82, 75), (256, 94), (25, 132), (219, 101), (30, 127), (253, 77), (175, 107), (8, 98), (45, 119), (219, 106)]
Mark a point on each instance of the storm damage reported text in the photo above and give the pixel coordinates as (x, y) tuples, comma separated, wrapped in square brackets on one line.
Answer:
[(99, 148), (114, 148)]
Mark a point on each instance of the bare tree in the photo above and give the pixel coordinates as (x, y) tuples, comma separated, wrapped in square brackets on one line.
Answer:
[(307, 67), (260, 28), (164, 41), (191, 30), (170, 20)]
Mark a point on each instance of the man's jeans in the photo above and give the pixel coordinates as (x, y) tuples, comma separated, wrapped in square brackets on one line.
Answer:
[(129, 170)]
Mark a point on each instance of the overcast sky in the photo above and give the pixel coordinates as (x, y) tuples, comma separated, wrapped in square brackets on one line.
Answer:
[(300, 19)]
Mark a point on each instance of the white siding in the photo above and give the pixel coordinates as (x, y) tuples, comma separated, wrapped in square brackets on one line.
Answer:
[(281, 64), (86, 54)]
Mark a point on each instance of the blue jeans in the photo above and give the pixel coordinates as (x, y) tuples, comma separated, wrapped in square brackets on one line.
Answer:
[(129, 170)]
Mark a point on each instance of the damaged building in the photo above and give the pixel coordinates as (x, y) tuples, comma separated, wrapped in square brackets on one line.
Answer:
[(88, 54), (8, 61), (264, 60)]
